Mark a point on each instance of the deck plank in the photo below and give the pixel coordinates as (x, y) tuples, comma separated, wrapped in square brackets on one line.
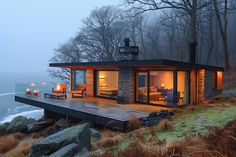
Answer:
[(98, 109)]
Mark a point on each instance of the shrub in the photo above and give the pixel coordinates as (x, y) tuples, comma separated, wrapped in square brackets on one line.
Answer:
[(165, 125)]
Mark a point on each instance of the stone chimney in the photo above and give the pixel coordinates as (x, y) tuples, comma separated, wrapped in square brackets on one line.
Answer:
[(128, 52)]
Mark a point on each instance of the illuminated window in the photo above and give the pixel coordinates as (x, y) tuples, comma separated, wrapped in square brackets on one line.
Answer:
[(217, 80), (214, 80), (107, 84)]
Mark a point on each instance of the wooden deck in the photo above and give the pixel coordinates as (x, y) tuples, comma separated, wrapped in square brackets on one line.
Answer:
[(100, 111)]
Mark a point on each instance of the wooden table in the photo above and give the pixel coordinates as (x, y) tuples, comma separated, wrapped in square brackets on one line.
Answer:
[(55, 95)]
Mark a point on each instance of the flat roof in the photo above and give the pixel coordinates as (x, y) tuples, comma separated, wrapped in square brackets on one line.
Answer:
[(137, 63)]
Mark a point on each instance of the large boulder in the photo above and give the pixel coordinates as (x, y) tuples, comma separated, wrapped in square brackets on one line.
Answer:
[(20, 123), (95, 135), (67, 151), (3, 128), (37, 126), (77, 136), (60, 125)]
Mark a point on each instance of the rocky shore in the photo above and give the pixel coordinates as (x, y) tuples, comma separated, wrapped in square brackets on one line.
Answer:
[(62, 138), (59, 139)]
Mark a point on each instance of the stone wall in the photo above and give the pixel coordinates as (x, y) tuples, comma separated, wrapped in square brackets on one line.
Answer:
[(126, 86), (205, 85), (201, 85)]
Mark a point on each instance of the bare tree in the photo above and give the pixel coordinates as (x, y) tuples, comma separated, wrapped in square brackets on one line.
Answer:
[(189, 7), (100, 33), (66, 53), (221, 10)]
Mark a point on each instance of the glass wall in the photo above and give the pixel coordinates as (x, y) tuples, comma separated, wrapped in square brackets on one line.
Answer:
[(107, 84), (142, 87), (161, 87), (157, 87), (182, 87), (78, 78)]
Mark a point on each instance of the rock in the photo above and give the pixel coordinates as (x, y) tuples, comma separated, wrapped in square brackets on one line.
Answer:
[(67, 151), (38, 126), (83, 153), (79, 135), (155, 117), (59, 126), (95, 135), (153, 114), (20, 123), (3, 128)]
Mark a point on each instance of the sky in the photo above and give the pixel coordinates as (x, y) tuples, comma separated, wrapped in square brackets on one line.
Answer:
[(30, 30)]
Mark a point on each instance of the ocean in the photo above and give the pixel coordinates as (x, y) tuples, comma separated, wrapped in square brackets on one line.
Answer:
[(9, 86)]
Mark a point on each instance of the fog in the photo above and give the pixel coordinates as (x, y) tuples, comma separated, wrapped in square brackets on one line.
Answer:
[(31, 29)]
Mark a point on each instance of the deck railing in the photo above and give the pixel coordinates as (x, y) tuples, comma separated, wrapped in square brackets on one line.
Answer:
[(33, 88)]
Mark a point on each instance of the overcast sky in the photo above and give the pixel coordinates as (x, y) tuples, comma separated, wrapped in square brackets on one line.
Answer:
[(31, 29)]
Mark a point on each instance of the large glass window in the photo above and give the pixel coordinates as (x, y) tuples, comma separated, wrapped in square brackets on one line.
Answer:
[(142, 87), (78, 78), (182, 87), (161, 87), (107, 84)]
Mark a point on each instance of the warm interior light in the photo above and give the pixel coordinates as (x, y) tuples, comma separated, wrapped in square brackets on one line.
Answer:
[(101, 77), (219, 80), (162, 85)]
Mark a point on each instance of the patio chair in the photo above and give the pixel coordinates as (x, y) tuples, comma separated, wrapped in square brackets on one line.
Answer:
[(60, 89), (79, 92)]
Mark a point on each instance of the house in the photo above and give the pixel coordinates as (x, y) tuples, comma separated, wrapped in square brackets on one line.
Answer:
[(154, 82), (121, 90)]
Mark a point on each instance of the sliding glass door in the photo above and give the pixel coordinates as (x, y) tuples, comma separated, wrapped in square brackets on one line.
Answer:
[(142, 87), (162, 87)]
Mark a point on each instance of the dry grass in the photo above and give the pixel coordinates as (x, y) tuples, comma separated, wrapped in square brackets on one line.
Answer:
[(134, 124), (178, 110), (195, 147), (232, 100), (110, 134), (10, 141), (165, 125), (107, 142), (221, 101), (220, 143), (22, 149)]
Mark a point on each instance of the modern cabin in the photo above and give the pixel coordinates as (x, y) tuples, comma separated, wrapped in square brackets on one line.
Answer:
[(155, 82), (118, 91)]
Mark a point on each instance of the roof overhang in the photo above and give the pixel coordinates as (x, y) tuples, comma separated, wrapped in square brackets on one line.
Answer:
[(135, 63)]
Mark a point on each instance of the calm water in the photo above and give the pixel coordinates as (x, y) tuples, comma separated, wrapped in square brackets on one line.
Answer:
[(8, 107)]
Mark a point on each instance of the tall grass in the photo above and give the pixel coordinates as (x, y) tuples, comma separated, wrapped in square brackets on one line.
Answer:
[(9, 142)]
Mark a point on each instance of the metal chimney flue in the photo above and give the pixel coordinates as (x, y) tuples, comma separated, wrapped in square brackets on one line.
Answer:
[(127, 41), (192, 52)]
